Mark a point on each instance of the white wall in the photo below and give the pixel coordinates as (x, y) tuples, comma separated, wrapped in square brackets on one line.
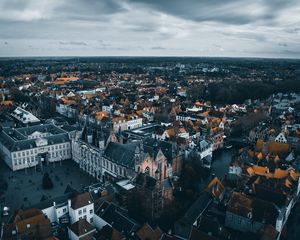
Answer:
[(72, 236), (99, 223), (75, 216)]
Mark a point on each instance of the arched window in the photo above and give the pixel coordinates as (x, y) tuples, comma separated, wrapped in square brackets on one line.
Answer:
[(147, 170)]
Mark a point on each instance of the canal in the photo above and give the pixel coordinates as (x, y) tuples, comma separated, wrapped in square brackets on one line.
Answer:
[(221, 161)]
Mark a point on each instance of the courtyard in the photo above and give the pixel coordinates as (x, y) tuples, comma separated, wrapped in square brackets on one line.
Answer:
[(24, 187)]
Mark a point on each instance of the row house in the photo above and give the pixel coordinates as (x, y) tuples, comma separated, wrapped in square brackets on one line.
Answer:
[(69, 208), (122, 124), (186, 116)]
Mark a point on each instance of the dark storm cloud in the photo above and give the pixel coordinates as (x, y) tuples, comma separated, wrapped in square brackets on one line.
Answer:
[(295, 30), (186, 27), (225, 11), (89, 10)]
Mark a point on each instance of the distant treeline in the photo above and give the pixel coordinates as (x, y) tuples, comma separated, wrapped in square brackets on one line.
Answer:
[(237, 92)]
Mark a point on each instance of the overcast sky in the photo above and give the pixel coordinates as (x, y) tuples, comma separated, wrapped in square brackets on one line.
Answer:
[(233, 28)]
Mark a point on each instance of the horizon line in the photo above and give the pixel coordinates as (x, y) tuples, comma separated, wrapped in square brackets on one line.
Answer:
[(151, 56)]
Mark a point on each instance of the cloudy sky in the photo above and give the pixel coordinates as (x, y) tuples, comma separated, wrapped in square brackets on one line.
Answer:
[(233, 28)]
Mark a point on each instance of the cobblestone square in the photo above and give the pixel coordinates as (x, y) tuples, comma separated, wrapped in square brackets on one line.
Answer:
[(25, 187)]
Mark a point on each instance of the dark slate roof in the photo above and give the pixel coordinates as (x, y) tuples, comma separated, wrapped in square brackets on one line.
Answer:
[(49, 202), (122, 154), (16, 139), (198, 207), (183, 226), (152, 145), (41, 128), (117, 218), (262, 211)]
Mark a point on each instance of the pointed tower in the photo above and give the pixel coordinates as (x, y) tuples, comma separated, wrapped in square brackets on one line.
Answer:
[(112, 136), (101, 140)]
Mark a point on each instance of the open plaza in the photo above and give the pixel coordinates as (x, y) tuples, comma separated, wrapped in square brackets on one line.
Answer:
[(24, 187)]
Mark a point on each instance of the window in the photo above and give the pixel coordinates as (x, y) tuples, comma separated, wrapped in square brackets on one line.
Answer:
[(91, 211), (84, 210), (84, 216), (80, 218), (64, 210), (91, 220), (80, 212)]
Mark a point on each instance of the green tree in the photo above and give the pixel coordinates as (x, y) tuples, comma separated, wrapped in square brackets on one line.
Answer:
[(47, 182)]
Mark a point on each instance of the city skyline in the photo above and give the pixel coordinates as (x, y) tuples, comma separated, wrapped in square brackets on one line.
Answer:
[(259, 28)]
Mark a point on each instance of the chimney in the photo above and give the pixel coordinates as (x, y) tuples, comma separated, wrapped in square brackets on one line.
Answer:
[(69, 203), (213, 175)]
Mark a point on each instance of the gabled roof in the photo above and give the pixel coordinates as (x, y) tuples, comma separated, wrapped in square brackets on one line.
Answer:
[(81, 200), (148, 233), (122, 154), (254, 208), (116, 217), (215, 187), (182, 227), (82, 227)]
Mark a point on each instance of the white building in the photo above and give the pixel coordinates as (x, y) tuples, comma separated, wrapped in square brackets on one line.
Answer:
[(81, 207), (34, 146), (66, 110), (203, 151), (122, 124), (281, 138), (24, 116)]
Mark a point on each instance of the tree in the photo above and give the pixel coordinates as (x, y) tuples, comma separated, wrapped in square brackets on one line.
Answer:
[(47, 182)]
